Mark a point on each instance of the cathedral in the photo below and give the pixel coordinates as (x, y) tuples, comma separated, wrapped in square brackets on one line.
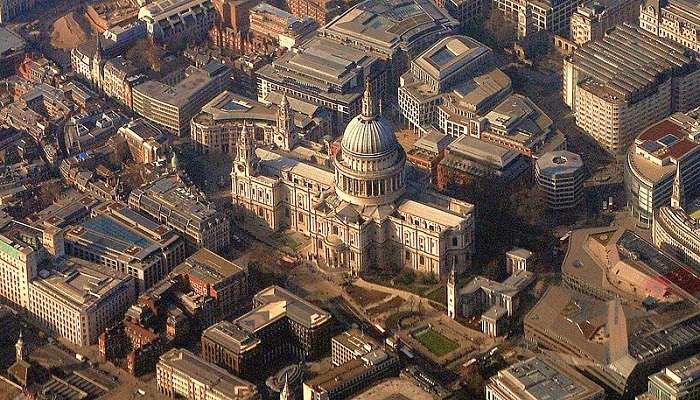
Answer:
[(360, 214)]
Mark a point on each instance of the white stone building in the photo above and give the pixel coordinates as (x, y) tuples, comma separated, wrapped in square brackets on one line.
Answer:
[(361, 214)]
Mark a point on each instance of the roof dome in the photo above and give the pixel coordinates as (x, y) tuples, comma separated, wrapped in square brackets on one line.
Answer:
[(369, 134)]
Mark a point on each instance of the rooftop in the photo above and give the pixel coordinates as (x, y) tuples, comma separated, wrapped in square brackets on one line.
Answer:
[(208, 267), (629, 61), (230, 337), (392, 24), (341, 375), (10, 41), (559, 162), (450, 54), (539, 378), (213, 377), (276, 303), (181, 93)]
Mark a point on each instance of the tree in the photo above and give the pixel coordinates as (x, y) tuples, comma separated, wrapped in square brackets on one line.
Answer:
[(503, 32), (145, 54), (537, 45)]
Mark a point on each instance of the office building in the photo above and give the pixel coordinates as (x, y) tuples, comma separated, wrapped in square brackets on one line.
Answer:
[(466, 12), (217, 127), (594, 18), (540, 378), (173, 106), (185, 209), (440, 68), (180, 373), (119, 76), (122, 239), (11, 9), (324, 73), (147, 143), (351, 345), (212, 275), (77, 300), (343, 210), (345, 380), (281, 327), (676, 20), (677, 233), (21, 252), (12, 46), (660, 152), (560, 175), (323, 11), (678, 381), (173, 20), (285, 29), (533, 16), (614, 94)]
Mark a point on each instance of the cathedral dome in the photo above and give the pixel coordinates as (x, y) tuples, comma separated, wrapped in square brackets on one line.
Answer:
[(369, 137)]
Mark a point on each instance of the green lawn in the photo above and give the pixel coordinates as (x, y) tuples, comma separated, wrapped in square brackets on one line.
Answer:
[(439, 295), (435, 342)]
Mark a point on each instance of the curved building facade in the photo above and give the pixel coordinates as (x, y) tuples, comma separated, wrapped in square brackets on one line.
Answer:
[(677, 233), (560, 175)]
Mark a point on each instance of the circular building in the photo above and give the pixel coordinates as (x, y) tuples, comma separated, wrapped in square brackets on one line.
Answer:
[(369, 167), (560, 175)]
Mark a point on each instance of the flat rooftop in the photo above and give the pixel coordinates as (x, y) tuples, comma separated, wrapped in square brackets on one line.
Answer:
[(10, 41), (541, 379), (629, 60), (450, 54), (392, 24), (276, 303), (208, 267), (231, 337), (214, 377), (180, 94)]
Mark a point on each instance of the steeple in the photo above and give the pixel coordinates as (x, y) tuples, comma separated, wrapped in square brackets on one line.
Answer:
[(245, 152), (452, 279), (286, 136), (285, 393), (678, 195), (174, 163), (369, 106), (99, 51), (20, 349)]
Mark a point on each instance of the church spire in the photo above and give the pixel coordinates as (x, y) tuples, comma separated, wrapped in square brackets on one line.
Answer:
[(369, 106), (21, 348), (285, 394), (677, 195), (99, 51)]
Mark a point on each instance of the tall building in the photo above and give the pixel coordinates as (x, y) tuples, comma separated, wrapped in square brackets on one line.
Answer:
[(22, 252), (679, 381), (614, 94), (677, 233), (173, 20), (173, 106), (676, 20), (593, 18), (541, 378), (344, 210), (185, 209), (126, 241), (179, 373), (78, 300), (657, 155), (323, 11), (560, 175)]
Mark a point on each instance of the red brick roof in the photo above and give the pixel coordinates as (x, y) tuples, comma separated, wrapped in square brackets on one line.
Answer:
[(681, 148), (661, 129)]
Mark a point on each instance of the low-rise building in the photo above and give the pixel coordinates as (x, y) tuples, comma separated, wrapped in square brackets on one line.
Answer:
[(184, 208), (12, 46), (214, 276), (323, 11), (593, 18), (78, 300), (147, 143), (119, 76), (679, 381), (614, 95), (173, 20), (676, 20), (271, 23), (349, 378), (173, 106), (88, 130), (351, 345), (180, 373), (122, 239), (540, 378)]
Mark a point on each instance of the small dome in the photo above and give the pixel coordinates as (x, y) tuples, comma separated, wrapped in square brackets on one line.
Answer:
[(369, 137)]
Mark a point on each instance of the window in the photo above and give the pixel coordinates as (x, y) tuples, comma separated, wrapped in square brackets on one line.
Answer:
[(454, 241)]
